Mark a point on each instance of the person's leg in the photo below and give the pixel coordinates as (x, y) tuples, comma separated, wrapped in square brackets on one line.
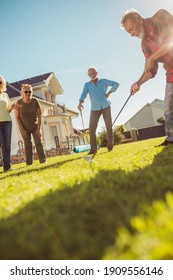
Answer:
[(39, 147), (6, 144), (168, 112), (108, 123), (28, 149), (94, 118), (0, 133)]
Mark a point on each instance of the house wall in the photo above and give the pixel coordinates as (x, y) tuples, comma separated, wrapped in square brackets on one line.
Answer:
[(63, 126), (143, 118), (39, 93), (49, 141), (157, 113), (70, 126)]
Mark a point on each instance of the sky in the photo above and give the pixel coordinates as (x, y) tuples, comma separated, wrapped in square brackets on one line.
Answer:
[(67, 37)]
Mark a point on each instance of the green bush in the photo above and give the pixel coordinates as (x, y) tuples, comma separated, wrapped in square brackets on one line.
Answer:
[(118, 136), (161, 120), (152, 236)]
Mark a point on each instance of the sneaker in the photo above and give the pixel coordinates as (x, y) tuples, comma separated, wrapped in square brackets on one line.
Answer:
[(43, 162), (92, 152), (110, 149), (88, 158), (165, 143), (9, 169)]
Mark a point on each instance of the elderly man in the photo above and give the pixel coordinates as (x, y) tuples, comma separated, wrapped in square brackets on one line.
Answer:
[(98, 92), (156, 34)]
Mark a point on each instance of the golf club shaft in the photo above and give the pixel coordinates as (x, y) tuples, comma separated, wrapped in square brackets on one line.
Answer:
[(82, 122), (121, 109)]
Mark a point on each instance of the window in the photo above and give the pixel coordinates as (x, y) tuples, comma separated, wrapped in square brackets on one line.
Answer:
[(47, 96), (55, 137), (52, 98)]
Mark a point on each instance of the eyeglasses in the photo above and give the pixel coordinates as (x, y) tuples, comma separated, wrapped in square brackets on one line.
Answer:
[(1, 82), (27, 91)]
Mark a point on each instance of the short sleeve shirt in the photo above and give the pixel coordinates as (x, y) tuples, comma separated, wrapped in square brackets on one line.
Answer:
[(28, 114), (4, 113)]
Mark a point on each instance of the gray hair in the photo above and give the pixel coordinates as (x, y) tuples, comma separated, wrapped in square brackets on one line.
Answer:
[(93, 67), (131, 14)]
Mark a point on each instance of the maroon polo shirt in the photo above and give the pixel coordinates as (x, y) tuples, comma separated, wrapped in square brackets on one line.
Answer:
[(157, 30)]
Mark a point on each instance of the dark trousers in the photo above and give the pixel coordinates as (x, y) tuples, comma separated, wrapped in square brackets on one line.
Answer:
[(5, 142), (38, 145), (94, 118)]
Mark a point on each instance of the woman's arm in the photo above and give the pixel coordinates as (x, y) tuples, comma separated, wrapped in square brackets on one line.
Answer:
[(23, 131), (38, 122)]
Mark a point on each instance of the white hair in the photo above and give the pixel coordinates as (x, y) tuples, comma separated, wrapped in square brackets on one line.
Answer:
[(93, 67), (129, 14)]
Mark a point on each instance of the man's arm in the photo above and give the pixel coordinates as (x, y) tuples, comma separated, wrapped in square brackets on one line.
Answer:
[(38, 122), (164, 20), (114, 85), (165, 49), (82, 98), (143, 79), (80, 106), (146, 75)]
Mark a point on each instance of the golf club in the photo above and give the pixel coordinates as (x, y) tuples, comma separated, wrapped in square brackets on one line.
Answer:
[(82, 148), (90, 158), (82, 121)]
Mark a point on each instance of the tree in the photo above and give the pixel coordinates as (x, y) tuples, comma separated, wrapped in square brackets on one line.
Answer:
[(102, 138), (118, 136)]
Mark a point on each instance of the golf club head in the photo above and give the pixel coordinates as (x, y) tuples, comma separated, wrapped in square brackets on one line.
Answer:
[(88, 158)]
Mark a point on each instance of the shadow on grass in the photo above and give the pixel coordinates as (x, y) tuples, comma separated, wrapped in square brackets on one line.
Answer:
[(33, 168), (80, 222)]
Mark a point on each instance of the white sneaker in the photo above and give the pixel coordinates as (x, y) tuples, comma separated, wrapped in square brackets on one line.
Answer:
[(88, 158)]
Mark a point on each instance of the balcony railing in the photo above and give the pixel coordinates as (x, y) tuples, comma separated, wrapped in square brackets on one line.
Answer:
[(56, 110)]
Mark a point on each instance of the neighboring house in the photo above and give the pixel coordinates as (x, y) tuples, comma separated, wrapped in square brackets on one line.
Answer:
[(147, 116), (56, 118)]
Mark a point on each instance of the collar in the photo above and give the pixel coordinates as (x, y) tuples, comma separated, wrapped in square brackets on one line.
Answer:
[(94, 81)]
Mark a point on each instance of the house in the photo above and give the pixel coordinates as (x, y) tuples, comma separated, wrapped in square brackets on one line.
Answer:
[(147, 116), (56, 118)]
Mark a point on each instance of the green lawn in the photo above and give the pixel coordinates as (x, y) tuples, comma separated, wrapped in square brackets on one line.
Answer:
[(118, 207)]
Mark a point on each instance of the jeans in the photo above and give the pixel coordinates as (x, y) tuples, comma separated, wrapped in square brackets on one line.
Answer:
[(38, 145), (168, 111), (5, 142), (94, 118)]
